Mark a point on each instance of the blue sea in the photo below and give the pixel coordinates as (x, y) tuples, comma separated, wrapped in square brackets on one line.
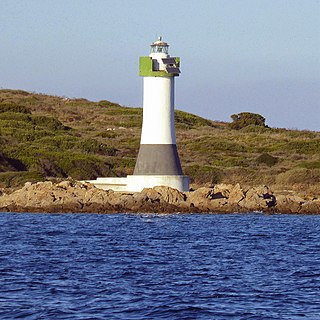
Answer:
[(151, 266)]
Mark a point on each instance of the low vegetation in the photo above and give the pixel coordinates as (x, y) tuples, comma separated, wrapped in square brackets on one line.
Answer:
[(49, 137)]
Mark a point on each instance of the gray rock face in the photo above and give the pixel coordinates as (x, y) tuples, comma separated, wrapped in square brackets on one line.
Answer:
[(69, 196)]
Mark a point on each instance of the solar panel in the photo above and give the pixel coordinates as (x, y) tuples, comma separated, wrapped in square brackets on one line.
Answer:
[(169, 60), (170, 69)]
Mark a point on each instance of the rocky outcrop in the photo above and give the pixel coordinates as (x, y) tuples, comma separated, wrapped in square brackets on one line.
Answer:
[(70, 196)]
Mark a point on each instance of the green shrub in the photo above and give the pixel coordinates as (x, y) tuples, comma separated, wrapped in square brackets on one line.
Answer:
[(50, 161), (24, 135), (304, 146), (18, 179), (94, 146), (106, 103), (16, 124), (255, 129), (49, 123), (59, 142), (80, 166), (245, 119), (267, 159), (15, 116), (12, 107), (190, 120)]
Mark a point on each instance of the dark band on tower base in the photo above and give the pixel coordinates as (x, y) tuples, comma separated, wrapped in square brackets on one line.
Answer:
[(158, 159)]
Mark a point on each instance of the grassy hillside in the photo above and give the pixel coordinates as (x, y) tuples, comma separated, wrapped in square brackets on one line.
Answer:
[(45, 136)]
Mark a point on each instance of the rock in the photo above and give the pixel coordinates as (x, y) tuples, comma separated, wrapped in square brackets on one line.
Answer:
[(27, 184), (199, 198), (201, 193), (289, 203), (161, 199), (206, 200), (64, 184), (224, 189), (311, 207), (258, 198), (68, 196), (148, 194), (236, 195), (97, 196), (170, 195)]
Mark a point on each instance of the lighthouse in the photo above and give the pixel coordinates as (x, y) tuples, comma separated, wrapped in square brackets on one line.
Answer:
[(158, 160)]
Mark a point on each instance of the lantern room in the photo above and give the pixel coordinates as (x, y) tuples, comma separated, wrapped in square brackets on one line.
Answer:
[(159, 46)]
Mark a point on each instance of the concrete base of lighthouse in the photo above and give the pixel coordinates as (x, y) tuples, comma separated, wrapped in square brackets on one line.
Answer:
[(136, 183)]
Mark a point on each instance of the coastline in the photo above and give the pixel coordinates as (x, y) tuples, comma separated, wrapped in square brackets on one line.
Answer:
[(76, 197)]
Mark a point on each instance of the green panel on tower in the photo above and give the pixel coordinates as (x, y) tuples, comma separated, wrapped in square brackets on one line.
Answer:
[(146, 68)]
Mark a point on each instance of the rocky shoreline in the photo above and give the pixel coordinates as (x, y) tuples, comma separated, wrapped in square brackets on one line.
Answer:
[(76, 197)]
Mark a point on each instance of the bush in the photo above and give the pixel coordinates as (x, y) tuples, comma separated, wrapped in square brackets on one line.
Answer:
[(245, 119), (12, 107), (59, 142), (24, 135), (304, 146), (80, 166), (94, 146), (267, 159), (16, 124), (49, 123), (18, 179), (255, 129), (190, 120), (106, 103), (9, 115)]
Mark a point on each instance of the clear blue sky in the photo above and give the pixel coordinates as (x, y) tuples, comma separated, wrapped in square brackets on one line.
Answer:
[(260, 56)]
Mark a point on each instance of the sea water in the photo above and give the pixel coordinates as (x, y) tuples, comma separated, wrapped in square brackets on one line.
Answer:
[(151, 266)]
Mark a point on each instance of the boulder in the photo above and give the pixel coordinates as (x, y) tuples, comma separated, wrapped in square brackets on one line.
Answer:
[(311, 207), (207, 200), (161, 199), (223, 189), (236, 194), (200, 198), (171, 195), (289, 203), (258, 198)]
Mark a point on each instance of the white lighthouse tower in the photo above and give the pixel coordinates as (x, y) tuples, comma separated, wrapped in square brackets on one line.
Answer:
[(158, 161)]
